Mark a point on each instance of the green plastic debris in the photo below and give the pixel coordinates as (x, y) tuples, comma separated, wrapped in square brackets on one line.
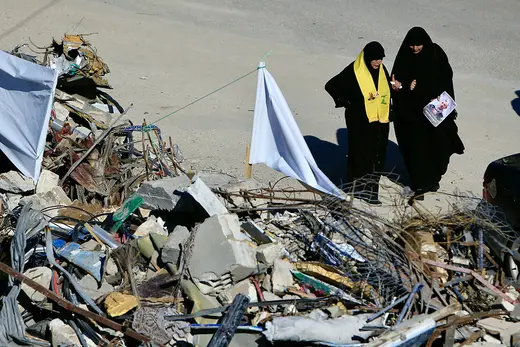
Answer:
[(127, 208)]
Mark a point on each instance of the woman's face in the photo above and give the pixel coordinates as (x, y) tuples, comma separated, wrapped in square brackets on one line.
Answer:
[(416, 49), (376, 63)]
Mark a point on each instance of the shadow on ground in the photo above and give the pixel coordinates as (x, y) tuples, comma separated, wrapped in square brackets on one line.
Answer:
[(332, 158), (516, 103)]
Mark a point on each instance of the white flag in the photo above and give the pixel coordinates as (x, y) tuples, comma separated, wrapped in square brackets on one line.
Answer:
[(278, 142), (26, 97)]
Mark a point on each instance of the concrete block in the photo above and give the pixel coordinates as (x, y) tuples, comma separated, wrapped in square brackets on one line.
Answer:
[(15, 182), (152, 225), (282, 277), (245, 287), (163, 194), (172, 249), (42, 275), (206, 198), (220, 248), (47, 181), (496, 326), (268, 253), (62, 335), (90, 285), (53, 197)]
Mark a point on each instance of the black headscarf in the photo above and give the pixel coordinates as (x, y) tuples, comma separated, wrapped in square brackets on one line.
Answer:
[(417, 36), (373, 51), (344, 87), (430, 68)]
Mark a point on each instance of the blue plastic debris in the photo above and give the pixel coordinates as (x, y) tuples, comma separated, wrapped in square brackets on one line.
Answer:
[(90, 261)]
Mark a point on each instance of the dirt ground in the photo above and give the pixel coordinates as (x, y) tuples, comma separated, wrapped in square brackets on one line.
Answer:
[(164, 54)]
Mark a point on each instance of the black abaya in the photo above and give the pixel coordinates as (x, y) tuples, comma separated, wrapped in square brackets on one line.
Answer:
[(367, 141), (426, 149)]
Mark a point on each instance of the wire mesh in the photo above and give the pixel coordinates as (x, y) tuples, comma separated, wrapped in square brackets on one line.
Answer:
[(378, 256)]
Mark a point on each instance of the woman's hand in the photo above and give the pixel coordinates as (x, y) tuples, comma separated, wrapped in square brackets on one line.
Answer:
[(396, 85), (412, 86)]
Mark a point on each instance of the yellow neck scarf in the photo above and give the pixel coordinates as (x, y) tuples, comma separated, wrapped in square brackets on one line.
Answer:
[(377, 102)]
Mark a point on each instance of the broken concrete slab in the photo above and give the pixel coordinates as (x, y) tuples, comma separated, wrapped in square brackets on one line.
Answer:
[(267, 283), (15, 182), (163, 194), (268, 253), (245, 287), (47, 181), (90, 285), (515, 314), (206, 198), (220, 237), (282, 276), (152, 225), (63, 335), (42, 275), (172, 249), (12, 201), (216, 180), (495, 326), (53, 197)]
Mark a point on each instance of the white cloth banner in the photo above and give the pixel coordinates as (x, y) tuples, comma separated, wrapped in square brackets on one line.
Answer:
[(278, 142), (26, 98)]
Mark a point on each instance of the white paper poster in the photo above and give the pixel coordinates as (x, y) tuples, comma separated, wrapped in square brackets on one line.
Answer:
[(437, 110), (278, 142)]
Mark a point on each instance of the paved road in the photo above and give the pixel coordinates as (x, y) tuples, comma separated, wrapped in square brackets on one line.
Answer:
[(164, 53)]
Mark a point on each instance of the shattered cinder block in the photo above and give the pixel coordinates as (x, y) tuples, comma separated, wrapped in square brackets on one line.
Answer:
[(55, 196), (500, 327), (172, 249), (268, 253), (152, 225), (15, 182), (163, 194), (63, 335), (220, 248), (42, 275), (90, 285), (206, 198), (47, 181), (282, 277), (245, 287)]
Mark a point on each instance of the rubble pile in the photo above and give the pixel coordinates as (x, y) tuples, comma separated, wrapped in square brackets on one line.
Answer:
[(119, 245)]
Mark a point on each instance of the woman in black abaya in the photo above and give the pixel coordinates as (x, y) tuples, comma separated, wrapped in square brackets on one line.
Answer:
[(421, 73), (363, 89)]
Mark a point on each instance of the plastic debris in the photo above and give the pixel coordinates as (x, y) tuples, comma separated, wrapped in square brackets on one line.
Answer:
[(117, 227)]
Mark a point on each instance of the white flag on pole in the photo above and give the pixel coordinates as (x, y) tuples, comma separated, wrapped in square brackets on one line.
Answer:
[(278, 142)]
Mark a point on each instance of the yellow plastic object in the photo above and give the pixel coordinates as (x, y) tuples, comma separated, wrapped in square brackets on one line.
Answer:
[(117, 304)]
